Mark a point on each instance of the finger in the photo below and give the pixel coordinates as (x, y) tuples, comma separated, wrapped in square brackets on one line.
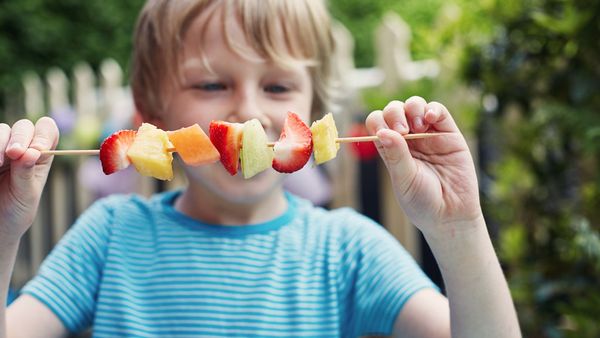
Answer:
[(20, 138), (375, 121), (415, 112), (24, 186), (46, 134), (398, 159), (395, 117), (27, 161), (439, 117), (4, 137)]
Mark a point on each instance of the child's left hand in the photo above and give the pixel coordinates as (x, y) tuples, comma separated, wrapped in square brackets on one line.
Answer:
[(434, 179)]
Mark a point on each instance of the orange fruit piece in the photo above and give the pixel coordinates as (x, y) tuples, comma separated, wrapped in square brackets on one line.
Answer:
[(193, 145)]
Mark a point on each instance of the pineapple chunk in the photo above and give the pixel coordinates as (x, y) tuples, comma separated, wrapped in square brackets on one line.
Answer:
[(256, 154), (324, 134), (149, 153)]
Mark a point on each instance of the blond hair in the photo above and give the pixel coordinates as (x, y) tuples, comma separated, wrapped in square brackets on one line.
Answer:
[(162, 24)]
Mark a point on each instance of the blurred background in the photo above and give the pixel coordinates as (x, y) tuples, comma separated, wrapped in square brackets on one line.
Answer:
[(521, 77)]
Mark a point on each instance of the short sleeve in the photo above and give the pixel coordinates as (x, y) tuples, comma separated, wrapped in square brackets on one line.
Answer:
[(378, 276), (67, 281)]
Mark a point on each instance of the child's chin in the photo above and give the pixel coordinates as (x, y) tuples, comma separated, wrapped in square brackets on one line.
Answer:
[(253, 190), (237, 189)]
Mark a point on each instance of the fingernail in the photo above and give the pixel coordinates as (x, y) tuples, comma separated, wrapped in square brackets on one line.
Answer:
[(14, 146), (400, 127), (386, 142), (418, 122), (431, 115)]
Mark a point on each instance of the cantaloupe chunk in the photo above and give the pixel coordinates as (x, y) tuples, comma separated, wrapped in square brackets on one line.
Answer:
[(193, 145), (149, 152), (324, 134)]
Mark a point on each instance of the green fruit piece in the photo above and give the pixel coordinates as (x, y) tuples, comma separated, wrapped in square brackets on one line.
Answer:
[(256, 154)]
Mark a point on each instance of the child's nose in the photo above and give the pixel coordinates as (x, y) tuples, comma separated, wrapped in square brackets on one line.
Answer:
[(248, 107)]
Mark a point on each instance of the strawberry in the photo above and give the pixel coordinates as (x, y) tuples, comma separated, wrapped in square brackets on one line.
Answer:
[(227, 138), (113, 151), (364, 151), (294, 147)]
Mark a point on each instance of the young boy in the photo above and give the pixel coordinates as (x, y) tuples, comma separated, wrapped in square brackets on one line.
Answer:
[(232, 257)]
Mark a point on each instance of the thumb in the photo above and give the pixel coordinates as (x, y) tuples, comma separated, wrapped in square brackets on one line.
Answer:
[(398, 159), (23, 181)]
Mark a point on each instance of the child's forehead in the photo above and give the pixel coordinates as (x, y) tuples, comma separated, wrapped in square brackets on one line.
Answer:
[(218, 28), (212, 30)]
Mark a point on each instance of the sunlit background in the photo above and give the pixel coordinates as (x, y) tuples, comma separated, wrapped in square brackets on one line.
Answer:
[(522, 79)]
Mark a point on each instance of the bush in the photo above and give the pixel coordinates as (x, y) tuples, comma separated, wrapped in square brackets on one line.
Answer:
[(542, 67), (38, 34)]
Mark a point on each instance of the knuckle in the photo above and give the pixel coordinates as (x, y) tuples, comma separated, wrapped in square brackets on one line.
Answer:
[(41, 141), (47, 122), (23, 123), (414, 105), (46, 132), (22, 129), (374, 119), (374, 114), (395, 104), (437, 105), (4, 131), (18, 135), (415, 100)]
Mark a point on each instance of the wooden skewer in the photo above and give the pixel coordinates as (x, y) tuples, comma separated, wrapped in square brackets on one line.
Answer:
[(71, 152), (270, 144)]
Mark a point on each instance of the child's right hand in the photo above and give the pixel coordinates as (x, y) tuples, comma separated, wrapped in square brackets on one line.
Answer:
[(23, 173)]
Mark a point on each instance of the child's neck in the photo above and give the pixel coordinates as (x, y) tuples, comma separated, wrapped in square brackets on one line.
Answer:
[(205, 206)]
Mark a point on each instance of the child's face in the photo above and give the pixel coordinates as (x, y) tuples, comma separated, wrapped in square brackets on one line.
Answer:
[(238, 89)]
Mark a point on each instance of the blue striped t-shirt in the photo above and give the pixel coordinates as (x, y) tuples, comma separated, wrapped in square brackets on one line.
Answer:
[(136, 267)]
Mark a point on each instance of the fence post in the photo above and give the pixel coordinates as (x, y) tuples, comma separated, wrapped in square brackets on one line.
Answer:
[(60, 194), (111, 81), (88, 125), (34, 96), (344, 181), (392, 44)]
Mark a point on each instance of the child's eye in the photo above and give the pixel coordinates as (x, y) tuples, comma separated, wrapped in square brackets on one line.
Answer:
[(210, 86), (276, 89)]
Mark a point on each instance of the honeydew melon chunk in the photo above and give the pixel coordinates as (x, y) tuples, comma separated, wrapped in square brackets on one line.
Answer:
[(256, 155), (324, 134)]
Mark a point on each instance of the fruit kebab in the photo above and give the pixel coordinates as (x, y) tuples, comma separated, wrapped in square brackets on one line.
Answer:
[(150, 149)]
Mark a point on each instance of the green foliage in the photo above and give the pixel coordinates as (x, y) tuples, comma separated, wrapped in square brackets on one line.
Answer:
[(39, 34), (541, 61), (361, 17)]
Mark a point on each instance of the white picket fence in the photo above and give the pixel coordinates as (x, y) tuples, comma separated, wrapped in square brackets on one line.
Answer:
[(88, 105), (85, 106)]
